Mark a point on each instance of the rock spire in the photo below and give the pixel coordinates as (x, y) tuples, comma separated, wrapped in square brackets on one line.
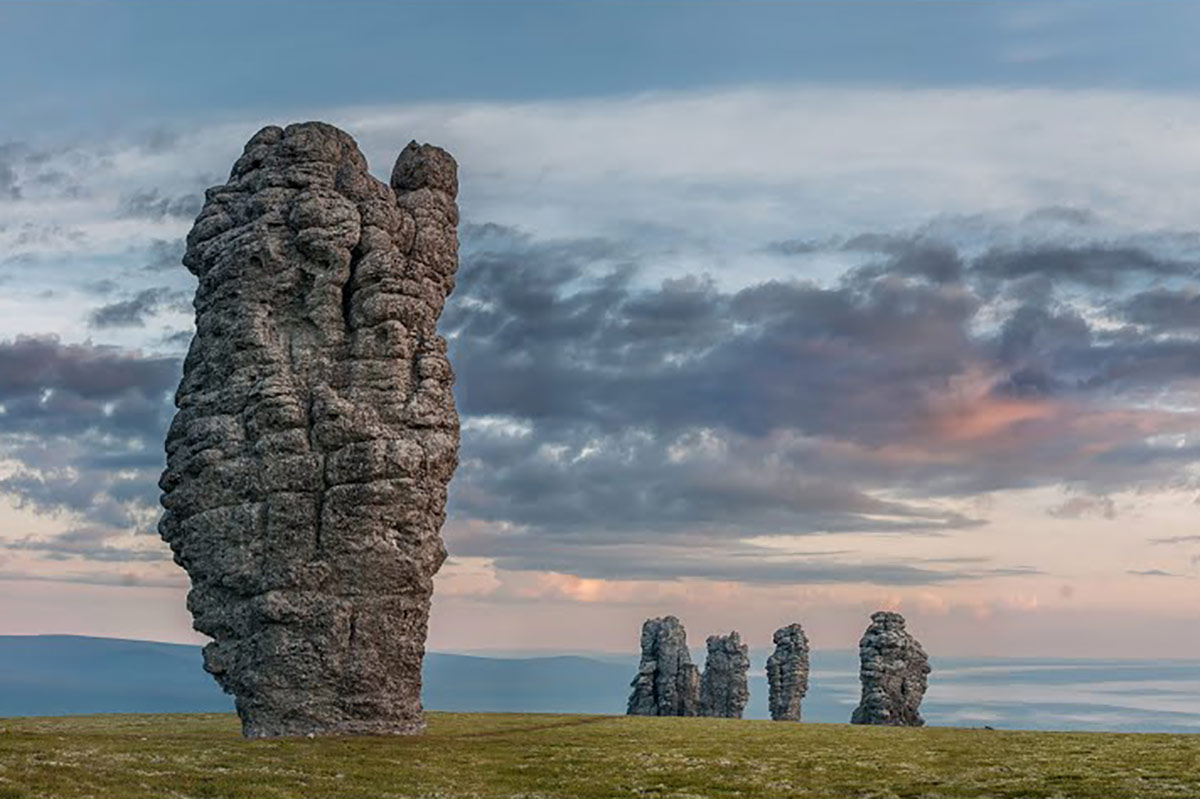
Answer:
[(894, 672), (787, 673), (723, 687), (667, 683), (316, 432)]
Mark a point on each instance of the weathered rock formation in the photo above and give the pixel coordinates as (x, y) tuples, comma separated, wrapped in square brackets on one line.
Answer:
[(667, 683), (894, 672), (723, 688), (787, 673), (316, 433)]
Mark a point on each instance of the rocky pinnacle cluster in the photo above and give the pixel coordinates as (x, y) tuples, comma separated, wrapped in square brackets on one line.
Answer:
[(787, 673), (894, 672), (316, 432)]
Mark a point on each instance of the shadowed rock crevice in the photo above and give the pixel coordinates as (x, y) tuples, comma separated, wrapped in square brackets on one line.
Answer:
[(316, 433), (787, 673), (667, 683), (723, 688), (894, 671)]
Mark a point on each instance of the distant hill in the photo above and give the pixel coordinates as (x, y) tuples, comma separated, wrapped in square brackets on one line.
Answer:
[(67, 674), (53, 675)]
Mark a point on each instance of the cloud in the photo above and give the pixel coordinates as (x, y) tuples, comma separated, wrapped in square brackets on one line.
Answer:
[(8, 174), (604, 412), (133, 312), (1164, 310), (99, 544), (152, 204), (31, 365), (1152, 573), (1079, 507), (658, 558), (1176, 539), (636, 366), (162, 255), (82, 428), (125, 578), (1094, 265)]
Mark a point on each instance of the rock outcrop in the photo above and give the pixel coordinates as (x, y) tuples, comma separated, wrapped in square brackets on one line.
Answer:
[(723, 687), (787, 673), (316, 432), (667, 683), (894, 672)]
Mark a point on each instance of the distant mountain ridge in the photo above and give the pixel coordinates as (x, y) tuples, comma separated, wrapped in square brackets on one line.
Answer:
[(68, 674), (65, 674)]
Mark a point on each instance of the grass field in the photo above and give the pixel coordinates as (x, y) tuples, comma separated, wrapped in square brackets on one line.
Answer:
[(486, 755)]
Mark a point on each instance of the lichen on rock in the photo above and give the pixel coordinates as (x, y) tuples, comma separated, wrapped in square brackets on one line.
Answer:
[(894, 671), (667, 682), (316, 432), (787, 673)]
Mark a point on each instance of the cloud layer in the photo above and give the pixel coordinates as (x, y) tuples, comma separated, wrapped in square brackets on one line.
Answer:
[(748, 335)]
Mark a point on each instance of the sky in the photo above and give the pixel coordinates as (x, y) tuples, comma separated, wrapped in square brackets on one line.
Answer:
[(766, 312)]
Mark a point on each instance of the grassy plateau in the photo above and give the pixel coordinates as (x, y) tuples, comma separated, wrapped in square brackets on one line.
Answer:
[(509, 755)]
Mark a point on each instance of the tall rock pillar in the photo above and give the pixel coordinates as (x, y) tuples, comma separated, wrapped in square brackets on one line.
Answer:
[(724, 689), (667, 683), (787, 673), (894, 671), (316, 432)]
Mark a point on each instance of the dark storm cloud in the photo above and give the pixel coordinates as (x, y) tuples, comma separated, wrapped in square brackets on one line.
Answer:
[(621, 429), (84, 425), (30, 365), (134, 311), (1093, 265), (548, 340), (1164, 310), (612, 411)]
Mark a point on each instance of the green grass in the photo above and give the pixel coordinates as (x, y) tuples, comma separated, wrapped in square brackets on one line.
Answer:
[(501, 755)]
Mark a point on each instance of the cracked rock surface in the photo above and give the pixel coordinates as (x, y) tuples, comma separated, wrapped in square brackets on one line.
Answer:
[(787, 673), (667, 682), (894, 672), (723, 688), (316, 434)]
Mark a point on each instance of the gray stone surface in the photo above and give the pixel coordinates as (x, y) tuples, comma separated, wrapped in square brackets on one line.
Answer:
[(787, 673), (723, 688), (894, 672), (316, 433), (667, 682)]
